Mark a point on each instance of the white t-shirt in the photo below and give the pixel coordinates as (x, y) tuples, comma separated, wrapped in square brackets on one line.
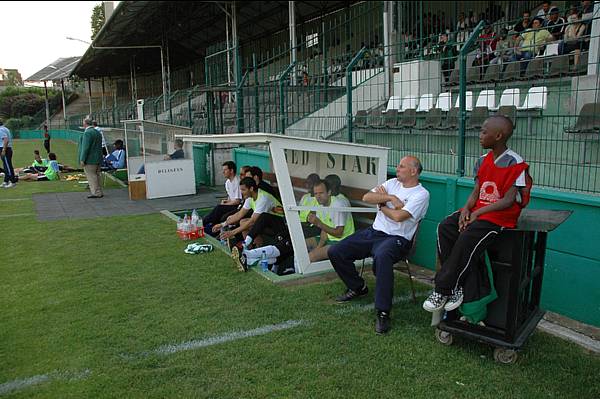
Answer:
[(338, 218), (263, 205), (233, 188), (416, 202)]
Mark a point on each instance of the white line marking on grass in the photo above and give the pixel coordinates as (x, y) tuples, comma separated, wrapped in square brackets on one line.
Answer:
[(230, 336), (17, 385), (17, 215), (14, 199), (370, 306)]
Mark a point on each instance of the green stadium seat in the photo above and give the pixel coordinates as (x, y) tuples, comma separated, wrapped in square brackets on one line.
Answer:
[(478, 116), (433, 120), (391, 118), (588, 120), (559, 66), (451, 121), (360, 120)]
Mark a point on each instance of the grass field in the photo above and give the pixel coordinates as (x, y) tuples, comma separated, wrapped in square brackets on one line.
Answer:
[(113, 308)]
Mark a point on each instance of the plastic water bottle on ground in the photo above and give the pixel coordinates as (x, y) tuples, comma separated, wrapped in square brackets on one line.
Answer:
[(186, 227), (264, 262)]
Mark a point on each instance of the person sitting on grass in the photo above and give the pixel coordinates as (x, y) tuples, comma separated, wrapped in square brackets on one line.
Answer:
[(39, 165), (494, 204), (52, 172)]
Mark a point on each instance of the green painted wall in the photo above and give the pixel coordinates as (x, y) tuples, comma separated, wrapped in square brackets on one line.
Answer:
[(572, 272), (72, 135)]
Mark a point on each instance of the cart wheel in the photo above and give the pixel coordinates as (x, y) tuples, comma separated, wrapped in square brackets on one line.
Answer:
[(505, 356), (444, 337)]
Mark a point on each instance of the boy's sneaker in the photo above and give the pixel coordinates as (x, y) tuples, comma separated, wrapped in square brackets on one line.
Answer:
[(435, 302), (455, 300), (383, 322), (240, 259), (350, 295), (10, 185)]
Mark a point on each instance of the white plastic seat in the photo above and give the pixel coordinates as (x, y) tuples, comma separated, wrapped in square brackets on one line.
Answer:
[(409, 102), (551, 49), (537, 98), (394, 102), (425, 103), (487, 99), (509, 97), (444, 101), (468, 101)]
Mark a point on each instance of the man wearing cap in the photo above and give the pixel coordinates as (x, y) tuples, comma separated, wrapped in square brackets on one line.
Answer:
[(116, 160), (90, 157), (10, 179)]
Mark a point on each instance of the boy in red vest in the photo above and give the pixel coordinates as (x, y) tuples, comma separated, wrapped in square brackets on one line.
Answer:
[(495, 203)]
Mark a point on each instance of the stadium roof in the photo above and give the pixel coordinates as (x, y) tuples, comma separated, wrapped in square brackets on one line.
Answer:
[(190, 27), (59, 69)]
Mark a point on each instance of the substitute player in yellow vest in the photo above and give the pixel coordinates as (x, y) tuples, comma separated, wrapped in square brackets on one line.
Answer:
[(334, 225)]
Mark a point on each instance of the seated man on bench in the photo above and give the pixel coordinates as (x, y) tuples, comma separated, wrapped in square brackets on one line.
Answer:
[(335, 226), (267, 215)]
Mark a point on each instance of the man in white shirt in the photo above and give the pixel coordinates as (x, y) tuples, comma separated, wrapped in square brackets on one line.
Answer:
[(234, 196), (402, 203)]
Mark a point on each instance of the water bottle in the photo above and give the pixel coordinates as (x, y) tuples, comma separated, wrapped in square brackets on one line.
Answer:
[(195, 218), (223, 240), (179, 227), (186, 227), (264, 262)]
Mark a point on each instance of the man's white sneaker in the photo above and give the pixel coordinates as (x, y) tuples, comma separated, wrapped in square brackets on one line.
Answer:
[(10, 185)]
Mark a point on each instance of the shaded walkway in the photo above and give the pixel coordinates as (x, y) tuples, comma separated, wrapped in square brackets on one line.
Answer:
[(76, 205)]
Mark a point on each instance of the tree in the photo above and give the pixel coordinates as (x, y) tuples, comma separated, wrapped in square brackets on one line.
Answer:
[(98, 19)]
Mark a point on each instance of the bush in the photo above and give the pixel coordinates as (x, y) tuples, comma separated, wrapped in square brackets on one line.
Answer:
[(13, 124)]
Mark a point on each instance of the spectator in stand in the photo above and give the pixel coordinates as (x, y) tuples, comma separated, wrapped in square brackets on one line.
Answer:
[(448, 53), (524, 24), (574, 38), (462, 30), (587, 12), (533, 40), (503, 49), (545, 10), (487, 46), (555, 24)]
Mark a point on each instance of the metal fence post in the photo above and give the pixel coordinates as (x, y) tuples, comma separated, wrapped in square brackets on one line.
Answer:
[(190, 119), (256, 109), (282, 110), (349, 68), (462, 95), (239, 96)]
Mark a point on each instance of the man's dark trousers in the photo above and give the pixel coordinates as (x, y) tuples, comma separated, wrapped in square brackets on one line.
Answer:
[(459, 252), (9, 171), (385, 249), (216, 215)]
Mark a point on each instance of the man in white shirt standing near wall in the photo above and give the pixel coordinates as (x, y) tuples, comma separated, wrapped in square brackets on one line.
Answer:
[(234, 197), (402, 203)]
